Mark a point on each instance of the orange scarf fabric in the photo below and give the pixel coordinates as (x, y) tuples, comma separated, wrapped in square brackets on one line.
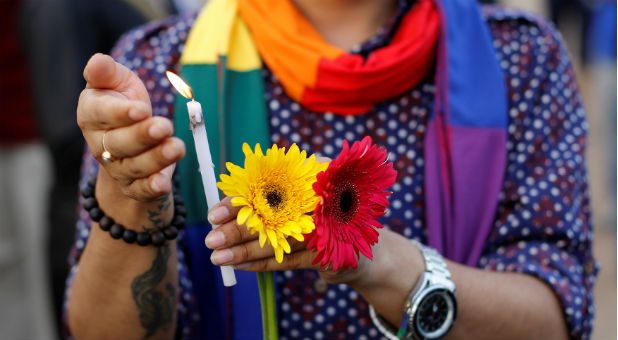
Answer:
[(325, 78)]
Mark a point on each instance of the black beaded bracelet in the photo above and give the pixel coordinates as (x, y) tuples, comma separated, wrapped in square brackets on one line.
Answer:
[(116, 230)]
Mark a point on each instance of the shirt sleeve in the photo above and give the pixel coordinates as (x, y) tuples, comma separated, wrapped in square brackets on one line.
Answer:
[(148, 51), (543, 224)]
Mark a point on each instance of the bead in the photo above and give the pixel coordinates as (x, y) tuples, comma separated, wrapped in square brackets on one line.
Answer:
[(88, 191), (106, 223), (158, 238), (116, 230), (178, 199), (178, 222), (90, 203), (170, 232), (180, 210), (129, 236), (96, 214), (143, 238)]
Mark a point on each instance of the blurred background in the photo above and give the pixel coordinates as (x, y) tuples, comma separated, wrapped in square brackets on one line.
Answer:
[(44, 45)]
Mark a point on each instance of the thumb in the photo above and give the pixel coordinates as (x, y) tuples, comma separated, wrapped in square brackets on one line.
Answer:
[(102, 72)]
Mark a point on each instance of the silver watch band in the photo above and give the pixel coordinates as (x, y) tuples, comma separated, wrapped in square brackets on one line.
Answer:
[(434, 262)]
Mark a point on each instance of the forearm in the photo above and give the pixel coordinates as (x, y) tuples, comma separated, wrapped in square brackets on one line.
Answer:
[(125, 290), (490, 304), (505, 305)]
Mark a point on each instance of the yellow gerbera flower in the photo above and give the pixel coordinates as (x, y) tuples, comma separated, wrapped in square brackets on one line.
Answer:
[(276, 193)]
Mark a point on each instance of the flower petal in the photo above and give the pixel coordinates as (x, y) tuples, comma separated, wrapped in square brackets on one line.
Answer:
[(239, 201), (285, 245), (279, 255), (243, 215), (272, 237)]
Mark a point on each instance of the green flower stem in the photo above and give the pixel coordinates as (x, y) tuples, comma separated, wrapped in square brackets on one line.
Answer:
[(262, 287), (271, 306), (266, 284)]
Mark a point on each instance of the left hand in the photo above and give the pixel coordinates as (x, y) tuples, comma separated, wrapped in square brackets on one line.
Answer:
[(234, 245)]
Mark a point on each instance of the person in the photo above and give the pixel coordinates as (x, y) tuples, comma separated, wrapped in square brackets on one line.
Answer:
[(24, 180), (515, 230)]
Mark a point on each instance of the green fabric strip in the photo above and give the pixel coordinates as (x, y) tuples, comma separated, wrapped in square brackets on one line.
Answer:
[(244, 121)]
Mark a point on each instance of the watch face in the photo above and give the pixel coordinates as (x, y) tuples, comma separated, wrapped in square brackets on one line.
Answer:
[(435, 314)]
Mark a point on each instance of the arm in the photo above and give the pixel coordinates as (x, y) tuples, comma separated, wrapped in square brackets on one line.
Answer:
[(490, 304), (122, 290)]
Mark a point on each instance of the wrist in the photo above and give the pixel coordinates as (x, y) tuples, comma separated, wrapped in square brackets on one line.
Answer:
[(396, 267), (396, 259), (133, 214)]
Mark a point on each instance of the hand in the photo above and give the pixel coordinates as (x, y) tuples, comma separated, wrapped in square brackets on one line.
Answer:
[(115, 103), (234, 245)]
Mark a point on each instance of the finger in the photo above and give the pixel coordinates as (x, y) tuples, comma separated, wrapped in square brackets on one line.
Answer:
[(297, 260), (150, 188), (106, 109), (248, 252), (102, 72), (138, 138), (223, 212), (228, 234), (143, 165), (323, 159)]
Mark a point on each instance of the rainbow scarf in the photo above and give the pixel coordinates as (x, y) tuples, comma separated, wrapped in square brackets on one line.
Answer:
[(465, 143)]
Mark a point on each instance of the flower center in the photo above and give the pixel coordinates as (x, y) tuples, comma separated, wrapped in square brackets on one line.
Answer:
[(348, 197), (274, 196), (346, 201)]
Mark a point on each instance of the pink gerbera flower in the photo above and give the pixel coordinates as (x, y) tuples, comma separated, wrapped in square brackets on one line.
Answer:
[(352, 199)]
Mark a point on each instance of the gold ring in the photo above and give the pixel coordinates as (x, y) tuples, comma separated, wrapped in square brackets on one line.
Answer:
[(106, 155)]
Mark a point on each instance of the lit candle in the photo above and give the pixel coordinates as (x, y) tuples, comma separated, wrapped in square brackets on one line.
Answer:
[(204, 158)]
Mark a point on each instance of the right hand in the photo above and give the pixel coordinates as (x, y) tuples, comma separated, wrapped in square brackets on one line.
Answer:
[(115, 100)]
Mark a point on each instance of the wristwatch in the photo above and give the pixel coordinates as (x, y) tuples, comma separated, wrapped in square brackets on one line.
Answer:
[(431, 308)]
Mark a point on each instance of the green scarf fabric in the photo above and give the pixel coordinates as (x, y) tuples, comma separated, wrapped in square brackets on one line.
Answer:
[(223, 67)]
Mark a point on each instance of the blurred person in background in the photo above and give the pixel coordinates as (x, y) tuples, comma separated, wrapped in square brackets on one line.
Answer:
[(601, 47), (532, 273), (568, 13), (60, 36), (25, 307)]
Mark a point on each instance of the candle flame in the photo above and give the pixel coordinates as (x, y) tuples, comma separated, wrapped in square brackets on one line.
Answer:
[(179, 85)]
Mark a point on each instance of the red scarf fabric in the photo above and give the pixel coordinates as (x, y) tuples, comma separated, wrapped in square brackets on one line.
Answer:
[(324, 78)]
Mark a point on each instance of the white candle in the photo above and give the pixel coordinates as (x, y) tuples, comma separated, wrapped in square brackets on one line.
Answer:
[(207, 169), (204, 158)]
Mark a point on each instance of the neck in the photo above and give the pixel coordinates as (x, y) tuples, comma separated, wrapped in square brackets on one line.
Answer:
[(346, 23)]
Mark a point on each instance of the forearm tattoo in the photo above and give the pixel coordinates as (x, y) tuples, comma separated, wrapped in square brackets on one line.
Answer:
[(155, 305)]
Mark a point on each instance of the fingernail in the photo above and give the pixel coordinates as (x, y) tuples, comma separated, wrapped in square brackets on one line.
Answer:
[(170, 151), (218, 214), (157, 184), (137, 114), (157, 131), (243, 266), (215, 239), (220, 257)]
